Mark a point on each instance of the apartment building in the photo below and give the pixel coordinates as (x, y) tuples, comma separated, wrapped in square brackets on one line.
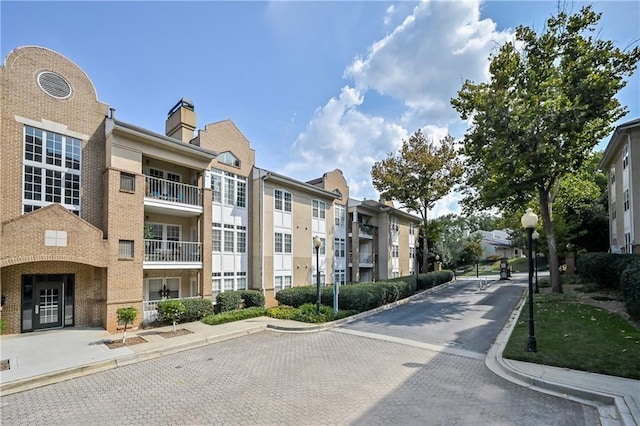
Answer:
[(383, 241), (621, 161), (96, 213), (99, 214)]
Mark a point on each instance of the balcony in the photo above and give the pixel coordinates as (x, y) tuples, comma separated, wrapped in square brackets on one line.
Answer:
[(365, 260), (162, 195), (366, 231), (165, 254)]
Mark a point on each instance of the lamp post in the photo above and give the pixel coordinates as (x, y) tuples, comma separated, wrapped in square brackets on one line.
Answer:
[(535, 237), (529, 221), (316, 244)]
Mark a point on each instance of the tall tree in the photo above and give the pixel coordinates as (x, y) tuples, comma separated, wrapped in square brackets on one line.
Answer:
[(549, 100), (418, 175)]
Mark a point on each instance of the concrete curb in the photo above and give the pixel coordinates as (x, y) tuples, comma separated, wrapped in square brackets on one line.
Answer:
[(612, 409)]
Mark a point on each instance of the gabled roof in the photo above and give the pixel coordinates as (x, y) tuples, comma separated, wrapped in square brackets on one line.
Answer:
[(614, 142)]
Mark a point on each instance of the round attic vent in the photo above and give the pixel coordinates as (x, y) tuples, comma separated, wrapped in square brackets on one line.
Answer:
[(54, 85)]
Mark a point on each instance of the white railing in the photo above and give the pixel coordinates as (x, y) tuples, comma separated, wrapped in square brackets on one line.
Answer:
[(150, 308), (172, 251), (175, 192), (366, 230), (366, 258)]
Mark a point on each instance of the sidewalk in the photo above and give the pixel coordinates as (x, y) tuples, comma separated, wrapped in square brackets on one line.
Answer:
[(75, 352)]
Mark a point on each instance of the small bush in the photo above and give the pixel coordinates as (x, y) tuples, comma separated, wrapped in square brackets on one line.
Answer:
[(229, 300), (361, 297), (297, 296), (282, 312), (630, 286), (196, 309), (252, 298), (3, 326), (234, 315), (544, 283), (172, 310)]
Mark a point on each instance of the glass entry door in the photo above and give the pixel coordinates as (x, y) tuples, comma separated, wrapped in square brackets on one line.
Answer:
[(48, 305)]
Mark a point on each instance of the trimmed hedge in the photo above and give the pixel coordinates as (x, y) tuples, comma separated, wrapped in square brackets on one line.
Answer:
[(234, 315), (297, 296), (432, 279), (230, 300), (196, 309)]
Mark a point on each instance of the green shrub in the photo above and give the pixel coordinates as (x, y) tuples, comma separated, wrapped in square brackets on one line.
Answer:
[(3, 326), (196, 309), (630, 286), (172, 310), (432, 279), (229, 300), (252, 298), (297, 296), (234, 315), (282, 312), (361, 297), (544, 283), (604, 269), (407, 285)]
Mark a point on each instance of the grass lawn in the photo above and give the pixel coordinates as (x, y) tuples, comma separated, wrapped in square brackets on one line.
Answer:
[(577, 336)]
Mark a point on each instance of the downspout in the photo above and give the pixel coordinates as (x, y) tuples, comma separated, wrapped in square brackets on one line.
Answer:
[(261, 238)]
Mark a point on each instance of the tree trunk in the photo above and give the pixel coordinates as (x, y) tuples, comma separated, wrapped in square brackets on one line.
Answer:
[(425, 255), (554, 265)]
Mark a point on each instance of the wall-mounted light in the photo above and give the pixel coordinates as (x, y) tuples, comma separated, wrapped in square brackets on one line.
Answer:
[(3, 299)]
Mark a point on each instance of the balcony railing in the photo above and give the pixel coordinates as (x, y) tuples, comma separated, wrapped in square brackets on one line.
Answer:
[(366, 258), (366, 230), (175, 192), (172, 251)]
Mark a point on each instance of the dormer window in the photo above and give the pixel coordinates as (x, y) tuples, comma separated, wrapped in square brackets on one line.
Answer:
[(229, 158)]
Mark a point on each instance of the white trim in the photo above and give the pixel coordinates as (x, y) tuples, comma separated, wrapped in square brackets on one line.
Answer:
[(52, 126)]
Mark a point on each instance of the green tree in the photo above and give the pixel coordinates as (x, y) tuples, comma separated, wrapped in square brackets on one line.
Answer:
[(472, 250), (172, 310), (549, 100), (126, 316), (418, 175)]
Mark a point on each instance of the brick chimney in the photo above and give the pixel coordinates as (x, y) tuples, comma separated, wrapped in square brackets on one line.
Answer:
[(181, 121)]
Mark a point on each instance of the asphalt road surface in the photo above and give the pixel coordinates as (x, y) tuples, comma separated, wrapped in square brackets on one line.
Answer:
[(360, 374)]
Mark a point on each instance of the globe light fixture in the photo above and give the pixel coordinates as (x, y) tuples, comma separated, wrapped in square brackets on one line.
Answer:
[(529, 221)]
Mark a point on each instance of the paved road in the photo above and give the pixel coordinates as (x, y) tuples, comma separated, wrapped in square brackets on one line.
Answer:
[(460, 316), (331, 377)]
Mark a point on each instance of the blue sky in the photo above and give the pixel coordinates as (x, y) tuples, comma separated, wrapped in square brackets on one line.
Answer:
[(314, 86)]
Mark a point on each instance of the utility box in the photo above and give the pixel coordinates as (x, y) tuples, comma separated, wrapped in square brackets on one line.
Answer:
[(505, 272)]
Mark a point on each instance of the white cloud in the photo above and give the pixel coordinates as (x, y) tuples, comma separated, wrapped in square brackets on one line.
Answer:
[(421, 63)]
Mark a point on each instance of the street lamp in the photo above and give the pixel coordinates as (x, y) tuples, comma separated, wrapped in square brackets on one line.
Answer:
[(535, 237), (316, 244), (529, 221)]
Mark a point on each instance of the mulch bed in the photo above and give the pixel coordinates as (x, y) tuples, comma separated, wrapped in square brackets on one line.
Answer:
[(180, 332), (133, 340)]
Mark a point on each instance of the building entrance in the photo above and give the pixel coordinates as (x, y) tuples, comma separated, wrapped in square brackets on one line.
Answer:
[(47, 301)]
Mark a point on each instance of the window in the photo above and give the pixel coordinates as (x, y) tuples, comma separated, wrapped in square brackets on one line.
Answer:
[(625, 200), (287, 281), (627, 243), (241, 239), (393, 224), (287, 202), (339, 277), (277, 196), (339, 247), (411, 228), (229, 191), (287, 243), (216, 187), (319, 210), (216, 286), (125, 249), (127, 182), (241, 199), (612, 174), (228, 282), (217, 237), (339, 215), (613, 210), (228, 188), (625, 157), (229, 239), (61, 178), (395, 251), (277, 242), (229, 158), (323, 249), (280, 282), (277, 284)]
